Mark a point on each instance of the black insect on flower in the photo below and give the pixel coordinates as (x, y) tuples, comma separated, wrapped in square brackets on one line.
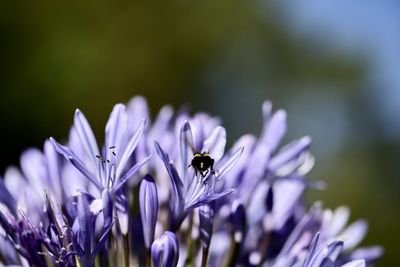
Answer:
[(202, 163)]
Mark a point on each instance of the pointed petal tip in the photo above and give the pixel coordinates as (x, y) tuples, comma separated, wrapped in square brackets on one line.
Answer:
[(148, 177), (158, 147), (186, 126), (267, 104), (281, 113), (119, 105), (306, 139)]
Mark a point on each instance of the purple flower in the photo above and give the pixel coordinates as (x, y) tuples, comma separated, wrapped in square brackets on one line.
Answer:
[(110, 170), (165, 250), (52, 239), (148, 201), (241, 206), (188, 191), (84, 234)]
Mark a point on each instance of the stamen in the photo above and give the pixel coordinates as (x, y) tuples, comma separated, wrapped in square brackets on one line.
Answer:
[(112, 150)]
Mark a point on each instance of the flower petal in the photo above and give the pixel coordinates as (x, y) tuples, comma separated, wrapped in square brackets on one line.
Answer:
[(355, 263), (7, 198), (134, 140), (165, 250), (86, 136), (204, 199), (186, 149), (273, 131), (206, 216), (369, 254), (326, 254), (338, 221), (69, 155), (354, 234), (138, 110), (215, 143), (53, 169), (228, 164), (177, 186), (148, 202), (289, 153), (129, 174), (115, 130)]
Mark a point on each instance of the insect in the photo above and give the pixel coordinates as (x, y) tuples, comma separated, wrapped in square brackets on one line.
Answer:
[(202, 163)]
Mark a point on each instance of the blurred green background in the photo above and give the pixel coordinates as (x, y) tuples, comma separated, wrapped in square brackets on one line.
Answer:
[(332, 65)]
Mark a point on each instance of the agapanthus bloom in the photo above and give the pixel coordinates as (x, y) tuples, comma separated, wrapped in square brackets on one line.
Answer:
[(193, 203)]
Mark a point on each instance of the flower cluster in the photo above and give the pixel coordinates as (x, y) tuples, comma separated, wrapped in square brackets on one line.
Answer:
[(168, 193)]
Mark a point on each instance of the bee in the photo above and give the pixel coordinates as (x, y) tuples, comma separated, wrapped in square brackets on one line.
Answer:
[(202, 163)]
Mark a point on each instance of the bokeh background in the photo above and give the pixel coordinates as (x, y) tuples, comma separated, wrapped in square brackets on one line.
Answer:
[(333, 65)]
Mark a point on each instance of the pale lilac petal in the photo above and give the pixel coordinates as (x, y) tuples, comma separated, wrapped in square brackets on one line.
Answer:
[(86, 136), (355, 263), (115, 131), (274, 130), (354, 234), (255, 209), (311, 249), (219, 248), (73, 181), (14, 181), (138, 110), (289, 194), (33, 167), (337, 222), (148, 202), (266, 111), (369, 254), (161, 129), (177, 186), (163, 120), (206, 199), (6, 197), (206, 217), (96, 206), (307, 224), (186, 150), (247, 142), (165, 250), (53, 164), (326, 254), (228, 164), (107, 203), (129, 174), (289, 153), (102, 240), (215, 143), (252, 175), (69, 155), (134, 140)]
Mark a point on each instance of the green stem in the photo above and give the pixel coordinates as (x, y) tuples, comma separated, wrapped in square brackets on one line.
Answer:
[(112, 253), (126, 250), (204, 257), (148, 257), (232, 254), (189, 262), (264, 246), (78, 262)]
